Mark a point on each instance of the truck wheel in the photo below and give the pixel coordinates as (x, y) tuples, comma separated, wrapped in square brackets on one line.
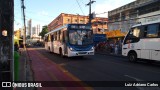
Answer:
[(132, 57)]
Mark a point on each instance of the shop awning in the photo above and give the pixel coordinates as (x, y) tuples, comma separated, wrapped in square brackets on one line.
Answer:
[(115, 33)]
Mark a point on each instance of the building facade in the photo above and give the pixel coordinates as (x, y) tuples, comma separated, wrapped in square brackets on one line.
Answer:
[(98, 24), (35, 32), (17, 34), (29, 28), (126, 16)]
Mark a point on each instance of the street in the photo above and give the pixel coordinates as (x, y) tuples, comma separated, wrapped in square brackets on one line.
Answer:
[(106, 68)]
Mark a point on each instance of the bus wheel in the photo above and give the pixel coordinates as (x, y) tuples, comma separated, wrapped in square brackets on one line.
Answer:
[(132, 57)]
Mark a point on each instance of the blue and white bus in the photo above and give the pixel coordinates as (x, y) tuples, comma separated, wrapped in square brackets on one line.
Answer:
[(70, 40)]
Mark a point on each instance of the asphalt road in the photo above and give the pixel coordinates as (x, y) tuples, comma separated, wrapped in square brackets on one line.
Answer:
[(107, 68)]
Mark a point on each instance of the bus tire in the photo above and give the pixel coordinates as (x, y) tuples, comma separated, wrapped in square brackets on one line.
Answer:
[(132, 56)]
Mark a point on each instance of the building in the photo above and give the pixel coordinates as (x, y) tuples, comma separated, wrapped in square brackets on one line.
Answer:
[(29, 28), (35, 32), (126, 16), (99, 25), (17, 34)]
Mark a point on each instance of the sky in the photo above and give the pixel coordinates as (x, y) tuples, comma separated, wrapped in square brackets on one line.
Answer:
[(42, 12)]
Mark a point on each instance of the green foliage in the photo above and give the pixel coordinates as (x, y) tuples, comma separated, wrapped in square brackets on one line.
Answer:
[(44, 31)]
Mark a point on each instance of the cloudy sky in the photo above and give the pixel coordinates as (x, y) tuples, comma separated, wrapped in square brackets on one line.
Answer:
[(44, 11)]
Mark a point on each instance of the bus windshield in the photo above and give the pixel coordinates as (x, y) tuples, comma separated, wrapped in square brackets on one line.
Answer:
[(80, 37)]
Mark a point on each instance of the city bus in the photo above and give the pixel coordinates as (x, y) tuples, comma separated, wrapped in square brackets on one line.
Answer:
[(70, 40), (143, 39)]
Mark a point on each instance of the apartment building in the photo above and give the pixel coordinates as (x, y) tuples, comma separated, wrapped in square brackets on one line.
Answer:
[(99, 24), (122, 18)]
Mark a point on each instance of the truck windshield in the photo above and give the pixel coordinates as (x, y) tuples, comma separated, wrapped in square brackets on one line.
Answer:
[(80, 37)]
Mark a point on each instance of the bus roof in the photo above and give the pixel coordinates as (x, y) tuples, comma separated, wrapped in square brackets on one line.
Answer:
[(56, 29), (64, 26)]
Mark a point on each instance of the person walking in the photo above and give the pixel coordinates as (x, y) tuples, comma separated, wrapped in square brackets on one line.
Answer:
[(16, 47)]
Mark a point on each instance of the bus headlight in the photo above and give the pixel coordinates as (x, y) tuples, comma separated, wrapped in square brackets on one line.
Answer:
[(92, 48), (71, 49)]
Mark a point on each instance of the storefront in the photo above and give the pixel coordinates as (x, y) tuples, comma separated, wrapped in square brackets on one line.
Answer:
[(115, 35)]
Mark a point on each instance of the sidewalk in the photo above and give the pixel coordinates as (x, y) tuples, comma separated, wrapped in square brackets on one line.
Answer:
[(43, 69), (25, 72)]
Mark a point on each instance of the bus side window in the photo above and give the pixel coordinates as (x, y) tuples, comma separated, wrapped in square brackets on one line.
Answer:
[(152, 30), (61, 35), (64, 36), (133, 36), (145, 32), (55, 36), (142, 31), (127, 40), (58, 35), (52, 38), (49, 38), (45, 39)]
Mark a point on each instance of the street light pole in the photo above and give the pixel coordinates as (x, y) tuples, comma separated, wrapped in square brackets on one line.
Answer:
[(90, 2), (24, 36), (90, 12), (77, 18)]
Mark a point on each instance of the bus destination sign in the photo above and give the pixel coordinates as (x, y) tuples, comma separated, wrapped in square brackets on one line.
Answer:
[(80, 27)]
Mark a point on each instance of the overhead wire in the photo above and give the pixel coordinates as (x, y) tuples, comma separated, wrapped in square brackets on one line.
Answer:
[(72, 8), (80, 7)]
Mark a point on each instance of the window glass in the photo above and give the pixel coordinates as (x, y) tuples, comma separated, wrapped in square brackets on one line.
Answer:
[(52, 37), (46, 38), (80, 37), (73, 35), (55, 35), (68, 20), (133, 36), (49, 37), (61, 34), (152, 30), (58, 35), (136, 32)]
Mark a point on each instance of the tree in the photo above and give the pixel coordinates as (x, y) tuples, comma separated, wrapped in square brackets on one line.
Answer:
[(44, 31)]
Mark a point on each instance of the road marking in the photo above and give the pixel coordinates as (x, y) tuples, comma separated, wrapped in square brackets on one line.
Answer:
[(54, 78), (142, 88), (133, 78), (62, 64)]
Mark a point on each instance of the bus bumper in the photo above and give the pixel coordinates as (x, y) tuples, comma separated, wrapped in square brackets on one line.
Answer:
[(80, 53)]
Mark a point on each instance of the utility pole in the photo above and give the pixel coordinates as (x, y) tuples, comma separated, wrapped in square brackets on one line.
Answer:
[(77, 18), (6, 41), (24, 36), (90, 2)]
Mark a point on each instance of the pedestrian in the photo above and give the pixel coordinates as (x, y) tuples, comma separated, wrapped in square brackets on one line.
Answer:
[(116, 49), (111, 48), (16, 47)]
